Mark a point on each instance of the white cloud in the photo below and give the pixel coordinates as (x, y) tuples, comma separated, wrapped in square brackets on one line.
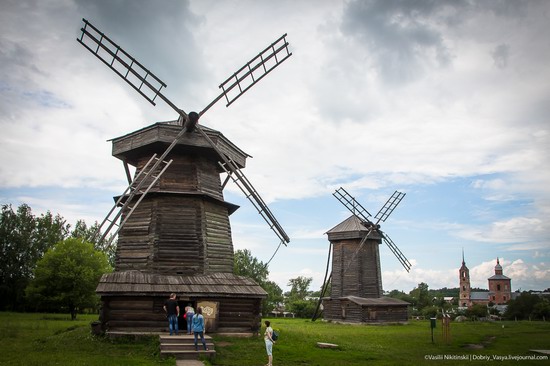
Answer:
[(514, 230)]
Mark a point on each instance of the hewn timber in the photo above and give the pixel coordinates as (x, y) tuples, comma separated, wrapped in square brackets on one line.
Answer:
[(178, 239), (356, 286)]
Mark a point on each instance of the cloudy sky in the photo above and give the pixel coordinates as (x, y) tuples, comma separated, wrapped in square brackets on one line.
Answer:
[(447, 101)]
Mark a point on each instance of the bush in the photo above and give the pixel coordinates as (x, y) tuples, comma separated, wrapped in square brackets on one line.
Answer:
[(303, 308)]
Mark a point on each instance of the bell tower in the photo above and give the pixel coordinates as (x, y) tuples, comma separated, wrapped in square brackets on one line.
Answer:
[(465, 290), (500, 286)]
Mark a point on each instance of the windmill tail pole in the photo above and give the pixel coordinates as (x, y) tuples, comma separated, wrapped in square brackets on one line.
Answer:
[(324, 287)]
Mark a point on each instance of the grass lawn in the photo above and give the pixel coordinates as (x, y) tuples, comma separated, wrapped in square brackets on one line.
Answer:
[(53, 339), (389, 344)]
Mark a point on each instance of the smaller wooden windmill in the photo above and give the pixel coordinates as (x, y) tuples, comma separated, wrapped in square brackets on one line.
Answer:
[(356, 280)]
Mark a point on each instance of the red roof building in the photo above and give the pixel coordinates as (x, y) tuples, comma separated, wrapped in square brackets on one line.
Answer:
[(500, 288)]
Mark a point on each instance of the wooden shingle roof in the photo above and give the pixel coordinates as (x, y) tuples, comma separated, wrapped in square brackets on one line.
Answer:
[(352, 223), (210, 285), (376, 301), (158, 136), (350, 228)]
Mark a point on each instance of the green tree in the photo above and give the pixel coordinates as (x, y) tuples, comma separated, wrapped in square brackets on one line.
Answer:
[(89, 234), (303, 308), (24, 239), (541, 310), (299, 288), (245, 264), (274, 297), (430, 311), (477, 311), (522, 307), (297, 300), (396, 294), (67, 276), (420, 296)]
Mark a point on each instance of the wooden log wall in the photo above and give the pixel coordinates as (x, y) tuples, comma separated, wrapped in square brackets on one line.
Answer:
[(356, 274), (219, 245), (135, 240), (386, 314), (133, 313), (182, 226), (187, 174), (178, 237), (348, 311), (238, 314), (342, 310), (186, 235)]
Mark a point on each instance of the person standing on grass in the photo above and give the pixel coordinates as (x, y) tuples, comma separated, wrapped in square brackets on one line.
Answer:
[(268, 337), (172, 310), (198, 328), (189, 312)]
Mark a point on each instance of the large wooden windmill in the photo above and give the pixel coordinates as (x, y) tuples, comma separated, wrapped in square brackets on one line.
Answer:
[(172, 221), (356, 280)]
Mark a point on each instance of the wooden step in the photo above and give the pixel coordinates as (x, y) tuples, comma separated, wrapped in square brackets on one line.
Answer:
[(188, 355), (183, 346), (181, 338)]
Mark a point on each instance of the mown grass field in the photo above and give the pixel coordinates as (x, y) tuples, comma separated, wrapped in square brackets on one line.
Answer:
[(390, 344), (53, 339)]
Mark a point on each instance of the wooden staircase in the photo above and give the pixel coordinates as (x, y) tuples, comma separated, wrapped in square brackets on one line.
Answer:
[(183, 346)]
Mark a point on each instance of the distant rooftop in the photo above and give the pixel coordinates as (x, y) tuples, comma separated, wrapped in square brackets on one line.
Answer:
[(499, 277), (479, 295)]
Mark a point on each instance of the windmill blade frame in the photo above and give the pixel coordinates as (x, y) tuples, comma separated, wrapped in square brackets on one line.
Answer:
[(389, 206), (396, 251), (352, 204), (147, 84), (252, 72), (361, 213), (246, 187)]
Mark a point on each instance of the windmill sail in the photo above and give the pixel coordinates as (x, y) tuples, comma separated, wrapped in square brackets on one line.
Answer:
[(250, 192), (398, 254), (252, 72), (149, 86), (351, 204), (389, 206), (358, 210), (238, 177)]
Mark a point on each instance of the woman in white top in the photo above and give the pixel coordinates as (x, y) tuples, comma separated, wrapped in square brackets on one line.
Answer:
[(269, 342), (189, 312)]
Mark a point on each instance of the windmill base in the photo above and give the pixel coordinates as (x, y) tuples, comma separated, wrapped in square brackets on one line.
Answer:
[(353, 309), (132, 302)]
